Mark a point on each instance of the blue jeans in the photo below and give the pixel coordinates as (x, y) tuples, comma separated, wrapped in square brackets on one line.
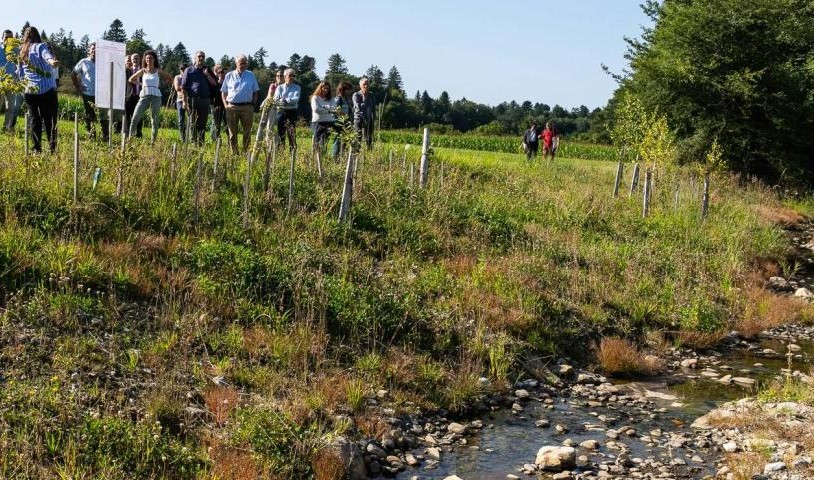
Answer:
[(13, 103), (182, 121)]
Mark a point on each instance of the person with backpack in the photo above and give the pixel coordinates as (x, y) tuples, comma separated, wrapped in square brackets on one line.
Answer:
[(531, 141)]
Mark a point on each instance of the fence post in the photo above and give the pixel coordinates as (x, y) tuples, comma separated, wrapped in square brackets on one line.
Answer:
[(423, 171), (75, 157), (173, 160), (291, 180), (318, 159), (619, 169), (246, 190), (634, 179), (705, 200), (412, 175), (27, 123), (646, 193), (198, 175), (347, 190), (110, 114), (215, 166)]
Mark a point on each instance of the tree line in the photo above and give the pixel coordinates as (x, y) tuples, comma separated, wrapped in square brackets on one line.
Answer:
[(397, 108)]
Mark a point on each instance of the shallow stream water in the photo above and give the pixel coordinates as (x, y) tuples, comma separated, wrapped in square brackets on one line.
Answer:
[(509, 441)]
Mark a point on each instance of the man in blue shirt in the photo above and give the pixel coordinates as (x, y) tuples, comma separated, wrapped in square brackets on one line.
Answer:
[(197, 83), (13, 101), (83, 77), (287, 100), (239, 93)]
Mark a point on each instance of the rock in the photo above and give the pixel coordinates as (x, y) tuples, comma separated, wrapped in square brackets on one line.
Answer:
[(660, 395), (433, 453), (566, 371), (555, 458), (517, 408), (803, 293), (589, 445), (351, 457), (411, 460), (716, 416), (512, 476), (376, 451), (542, 423), (689, 363), (522, 394), (395, 461), (562, 476), (710, 374), (678, 461), (779, 283), (774, 467), (456, 428), (561, 428), (726, 379), (730, 447), (793, 347), (744, 381), (453, 477)]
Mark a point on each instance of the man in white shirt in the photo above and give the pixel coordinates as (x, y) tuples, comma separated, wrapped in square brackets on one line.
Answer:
[(239, 93), (83, 77), (287, 100)]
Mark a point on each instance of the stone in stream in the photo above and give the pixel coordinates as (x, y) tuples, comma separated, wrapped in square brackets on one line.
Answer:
[(453, 477), (744, 381), (556, 458), (351, 458), (433, 453), (773, 467), (803, 293), (522, 394), (456, 428), (512, 476), (376, 451), (779, 283), (726, 379), (590, 445), (542, 423), (710, 374), (689, 363), (793, 347), (565, 371), (730, 447), (561, 428)]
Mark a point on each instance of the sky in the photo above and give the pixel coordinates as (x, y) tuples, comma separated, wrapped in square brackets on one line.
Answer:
[(487, 51)]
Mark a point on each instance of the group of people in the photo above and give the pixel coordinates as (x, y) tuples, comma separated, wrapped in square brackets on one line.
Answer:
[(532, 136), (230, 97)]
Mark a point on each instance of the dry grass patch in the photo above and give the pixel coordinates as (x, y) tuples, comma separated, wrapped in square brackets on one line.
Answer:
[(745, 465), (700, 340), (778, 214), (764, 310), (328, 465), (221, 402), (234, 464), (618, 356)]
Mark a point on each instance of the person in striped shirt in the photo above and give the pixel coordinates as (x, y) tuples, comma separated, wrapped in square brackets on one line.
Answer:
[(36, 64)]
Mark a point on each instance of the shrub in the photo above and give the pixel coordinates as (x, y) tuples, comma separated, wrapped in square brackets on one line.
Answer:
[(618, 356)]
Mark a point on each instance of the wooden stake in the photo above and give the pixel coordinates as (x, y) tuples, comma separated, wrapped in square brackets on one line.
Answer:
[(425, 160), (705, 199), (634, 179), (318, 159), (412, 176), (347, 190), (246, 190), (217, 160), (173, 161), (75, 157), (646, 194), (291, 180), (619, 169), (110, 113), (27, 124), (198, 175)]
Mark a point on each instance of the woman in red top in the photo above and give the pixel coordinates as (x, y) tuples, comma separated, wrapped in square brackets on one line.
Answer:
[(550, 140)]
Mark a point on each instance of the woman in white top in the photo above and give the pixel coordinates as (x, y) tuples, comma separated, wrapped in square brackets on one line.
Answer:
[(150, 77), (323, 117)]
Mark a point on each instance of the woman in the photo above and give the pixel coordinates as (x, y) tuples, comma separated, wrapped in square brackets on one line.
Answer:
[(551, 137), (343, 91), (322, 114), (149, 77), (37, 63)]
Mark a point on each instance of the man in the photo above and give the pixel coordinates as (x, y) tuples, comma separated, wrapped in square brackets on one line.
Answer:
[(83, 77), (12, 101), (239, 95), (134, 91), (364, 104), (287, 100), (198, 82), (179, 102), (531, 141), (218, 112)]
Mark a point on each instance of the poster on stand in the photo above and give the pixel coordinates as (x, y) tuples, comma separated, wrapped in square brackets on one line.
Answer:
[(110, 53)]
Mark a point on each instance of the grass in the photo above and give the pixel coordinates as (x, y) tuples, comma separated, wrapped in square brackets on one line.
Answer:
[(199, 348)]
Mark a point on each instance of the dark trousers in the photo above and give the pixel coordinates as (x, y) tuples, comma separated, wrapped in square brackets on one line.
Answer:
[(218, 120), (322, 130), (364, 130), (198, 115), (284, 116), (90, 117), (129, 108), (43, 109), (182, 120), (531, 150)]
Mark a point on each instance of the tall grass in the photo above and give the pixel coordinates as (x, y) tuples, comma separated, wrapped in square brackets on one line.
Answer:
[(274, 329)]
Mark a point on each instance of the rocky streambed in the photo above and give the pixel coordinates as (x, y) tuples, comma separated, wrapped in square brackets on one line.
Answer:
[(587, 426)]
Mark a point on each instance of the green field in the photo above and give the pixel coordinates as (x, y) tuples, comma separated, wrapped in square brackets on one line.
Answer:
[(149, 335)]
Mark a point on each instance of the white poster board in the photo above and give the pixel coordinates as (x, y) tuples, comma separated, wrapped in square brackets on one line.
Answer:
[(107, 52)]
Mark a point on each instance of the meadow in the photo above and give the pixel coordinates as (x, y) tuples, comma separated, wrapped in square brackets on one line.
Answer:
[(150, 334)]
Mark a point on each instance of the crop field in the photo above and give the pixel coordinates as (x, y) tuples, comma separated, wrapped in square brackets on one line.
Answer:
[(147, 333)]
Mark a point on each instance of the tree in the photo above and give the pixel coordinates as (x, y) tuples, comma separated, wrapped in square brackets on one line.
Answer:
[(737, 71), (258, 60), (307, 64), (84, 45), (227, 63), (116, 32), (336, 66), (138, 42), (294, 61), (377, 85), (394, 81)]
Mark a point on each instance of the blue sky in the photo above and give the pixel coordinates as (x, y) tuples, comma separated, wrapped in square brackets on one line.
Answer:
[(486, 51)]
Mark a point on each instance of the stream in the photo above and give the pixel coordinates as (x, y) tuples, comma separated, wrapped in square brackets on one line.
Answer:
[(660, 412)]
